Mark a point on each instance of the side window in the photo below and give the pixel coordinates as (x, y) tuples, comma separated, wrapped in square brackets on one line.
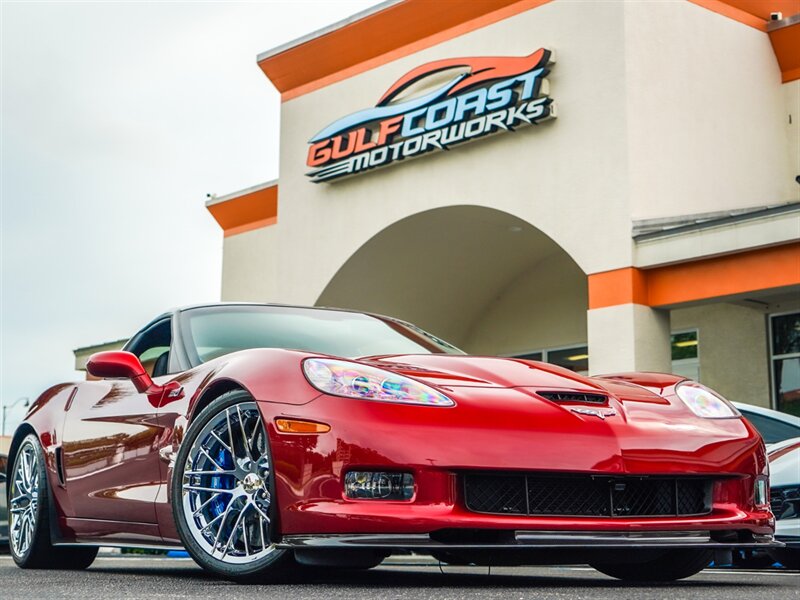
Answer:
[(152, 348)]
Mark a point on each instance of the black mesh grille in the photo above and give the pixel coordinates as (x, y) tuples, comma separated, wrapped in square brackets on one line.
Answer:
[(498, 494), (574, 397), (587, 496), (567, 496), (776, 502), (785, 502)]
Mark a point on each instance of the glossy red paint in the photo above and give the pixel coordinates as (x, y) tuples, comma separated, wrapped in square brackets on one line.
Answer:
[(119, 365), (117, 442)]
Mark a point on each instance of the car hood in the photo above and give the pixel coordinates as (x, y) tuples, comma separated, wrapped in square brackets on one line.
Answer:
[(642, 427), (457, 371)]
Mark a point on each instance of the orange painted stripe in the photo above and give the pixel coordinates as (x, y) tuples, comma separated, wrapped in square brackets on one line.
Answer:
[(763, 269), (247, 212), (751, 271), (413, 25), (397, 31), (763, 8), (786, 44), (621, 286), (728, 9)]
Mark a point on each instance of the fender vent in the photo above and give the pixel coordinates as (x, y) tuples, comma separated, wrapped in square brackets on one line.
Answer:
[(574, 397), (60, 466)]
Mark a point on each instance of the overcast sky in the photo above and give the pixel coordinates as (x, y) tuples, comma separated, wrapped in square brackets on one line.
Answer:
[(117, 119)]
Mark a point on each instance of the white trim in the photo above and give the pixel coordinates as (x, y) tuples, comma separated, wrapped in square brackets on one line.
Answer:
[(326, 30), (728, 238), (255, 188)]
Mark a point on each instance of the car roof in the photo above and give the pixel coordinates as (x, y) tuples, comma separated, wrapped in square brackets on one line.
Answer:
[(768, 412)]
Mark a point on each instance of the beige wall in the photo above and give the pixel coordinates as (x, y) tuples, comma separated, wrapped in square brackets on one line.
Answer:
[(733, 349), (707, 117), (545, 307), (628, 337), (791, 97)]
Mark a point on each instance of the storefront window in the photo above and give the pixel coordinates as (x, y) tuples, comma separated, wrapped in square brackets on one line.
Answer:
[(574, 358), (686, 354), (785, 351)]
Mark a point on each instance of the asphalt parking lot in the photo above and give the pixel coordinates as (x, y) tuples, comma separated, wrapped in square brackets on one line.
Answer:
[(134, 577)]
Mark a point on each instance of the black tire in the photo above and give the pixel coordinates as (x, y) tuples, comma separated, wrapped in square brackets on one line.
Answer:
[(670, 566), (279, 564), (39, 552)]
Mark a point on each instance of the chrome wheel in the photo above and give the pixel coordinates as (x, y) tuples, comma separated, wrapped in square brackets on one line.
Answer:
[(24, 500), (225, 493)]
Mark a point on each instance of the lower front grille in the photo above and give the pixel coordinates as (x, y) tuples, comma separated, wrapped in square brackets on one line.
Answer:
[(587, 495)]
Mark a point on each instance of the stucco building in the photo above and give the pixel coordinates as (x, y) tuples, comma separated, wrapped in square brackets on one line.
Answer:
[(609, 186)]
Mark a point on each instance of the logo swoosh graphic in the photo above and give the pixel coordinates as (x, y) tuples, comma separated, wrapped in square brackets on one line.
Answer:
[(383, 112), (482, 69)]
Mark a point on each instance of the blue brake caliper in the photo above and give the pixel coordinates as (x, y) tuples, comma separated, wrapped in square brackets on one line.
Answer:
[(221, 482)]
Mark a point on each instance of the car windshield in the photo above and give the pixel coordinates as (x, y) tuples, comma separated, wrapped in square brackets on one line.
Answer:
[(772, 430), (210, 332)]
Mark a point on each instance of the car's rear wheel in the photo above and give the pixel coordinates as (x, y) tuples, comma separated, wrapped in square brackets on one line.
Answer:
[(672, 565), (29, 516), (223, 496)]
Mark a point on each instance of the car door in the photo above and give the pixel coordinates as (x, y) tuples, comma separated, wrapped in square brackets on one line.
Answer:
[(111, 438)]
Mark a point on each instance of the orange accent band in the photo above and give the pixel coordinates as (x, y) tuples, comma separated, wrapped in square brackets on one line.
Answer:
[(786, 45), (300, 426), (773, 267), (732, 11), (377, 39), (621, 286), (247, 212), (766, 268), (763, 8)]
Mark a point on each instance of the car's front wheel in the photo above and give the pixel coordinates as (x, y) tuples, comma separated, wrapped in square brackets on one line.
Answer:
[(29, 516), (670, 566), (223, 496)]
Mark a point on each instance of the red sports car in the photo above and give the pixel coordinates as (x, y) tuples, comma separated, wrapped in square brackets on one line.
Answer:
[(265, 439)]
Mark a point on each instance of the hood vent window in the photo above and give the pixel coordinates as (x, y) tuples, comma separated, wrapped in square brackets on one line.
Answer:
[(574, 397)]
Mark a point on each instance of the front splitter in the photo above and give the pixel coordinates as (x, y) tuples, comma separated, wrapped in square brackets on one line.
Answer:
[(530, 540)]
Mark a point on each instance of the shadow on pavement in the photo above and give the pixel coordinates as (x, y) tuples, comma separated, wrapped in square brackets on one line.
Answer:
[(431, 577)]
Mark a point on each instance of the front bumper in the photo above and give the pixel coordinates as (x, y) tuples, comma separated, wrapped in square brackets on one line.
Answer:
[(439, 445)]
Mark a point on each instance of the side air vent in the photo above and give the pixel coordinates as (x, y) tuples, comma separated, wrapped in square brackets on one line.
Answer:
[(60, 466), (574, 397)]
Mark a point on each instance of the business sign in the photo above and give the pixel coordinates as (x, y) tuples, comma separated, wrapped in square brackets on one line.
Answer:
[(479, 97)]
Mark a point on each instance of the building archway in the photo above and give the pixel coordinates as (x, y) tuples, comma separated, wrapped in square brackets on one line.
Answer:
[(481, 278)]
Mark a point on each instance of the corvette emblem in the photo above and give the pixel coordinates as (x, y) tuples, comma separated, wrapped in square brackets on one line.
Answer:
[(595, 412)]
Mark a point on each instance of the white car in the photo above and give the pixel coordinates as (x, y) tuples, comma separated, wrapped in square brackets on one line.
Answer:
[(781, 433), (784, 484), (773, 426)]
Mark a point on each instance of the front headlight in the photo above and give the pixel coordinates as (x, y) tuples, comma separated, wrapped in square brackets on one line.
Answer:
[(704, 402), (352, 380)]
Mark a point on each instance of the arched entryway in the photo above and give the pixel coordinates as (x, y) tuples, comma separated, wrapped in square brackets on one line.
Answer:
[(481, 278)]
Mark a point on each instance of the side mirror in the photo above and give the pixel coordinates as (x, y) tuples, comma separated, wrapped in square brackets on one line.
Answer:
[(120, 365)]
